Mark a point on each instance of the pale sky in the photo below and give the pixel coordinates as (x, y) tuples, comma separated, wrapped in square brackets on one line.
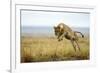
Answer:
[(41, 18)]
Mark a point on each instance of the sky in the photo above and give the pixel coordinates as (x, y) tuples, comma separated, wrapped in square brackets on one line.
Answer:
[(43, 18)]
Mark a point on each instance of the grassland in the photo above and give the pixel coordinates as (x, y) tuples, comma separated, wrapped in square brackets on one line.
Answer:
[(49, 49)]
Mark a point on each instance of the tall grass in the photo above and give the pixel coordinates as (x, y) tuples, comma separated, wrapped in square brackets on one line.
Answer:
[(49, 49)]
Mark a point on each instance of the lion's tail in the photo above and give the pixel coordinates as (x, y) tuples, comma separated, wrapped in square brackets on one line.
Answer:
[(80, 33)]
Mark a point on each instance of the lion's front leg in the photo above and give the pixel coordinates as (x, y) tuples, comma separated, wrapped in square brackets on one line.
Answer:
[(61, 37)]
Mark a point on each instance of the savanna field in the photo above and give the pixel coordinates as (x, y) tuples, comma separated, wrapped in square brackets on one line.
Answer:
[(43, 49)]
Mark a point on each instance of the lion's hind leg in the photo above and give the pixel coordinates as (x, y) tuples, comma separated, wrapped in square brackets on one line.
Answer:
[(73, 44), (77, 45)]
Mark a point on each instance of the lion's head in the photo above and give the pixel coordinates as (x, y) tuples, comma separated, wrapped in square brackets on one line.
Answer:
[(58, 29)]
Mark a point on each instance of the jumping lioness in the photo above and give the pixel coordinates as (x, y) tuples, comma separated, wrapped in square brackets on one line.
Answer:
[(63, 30)]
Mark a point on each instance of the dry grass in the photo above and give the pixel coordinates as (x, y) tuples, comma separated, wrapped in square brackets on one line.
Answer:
[(49, 49)]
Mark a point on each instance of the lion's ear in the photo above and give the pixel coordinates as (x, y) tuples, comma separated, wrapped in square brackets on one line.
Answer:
[(61, 26)]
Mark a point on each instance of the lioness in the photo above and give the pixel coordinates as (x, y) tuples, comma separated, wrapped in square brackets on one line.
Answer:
[(63, 30)]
